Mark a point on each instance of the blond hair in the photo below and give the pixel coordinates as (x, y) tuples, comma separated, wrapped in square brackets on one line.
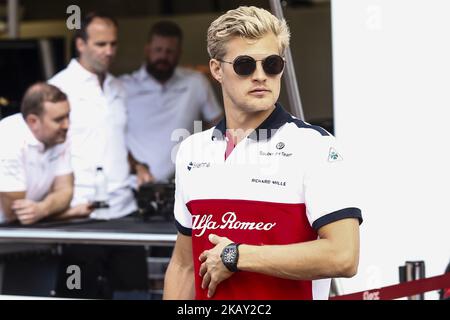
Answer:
[(246, 22)]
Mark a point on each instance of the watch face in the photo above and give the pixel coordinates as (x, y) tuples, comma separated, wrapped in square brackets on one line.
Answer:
[(229, 255)]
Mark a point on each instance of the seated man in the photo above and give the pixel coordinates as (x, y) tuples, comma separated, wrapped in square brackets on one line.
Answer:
[(36, 179)]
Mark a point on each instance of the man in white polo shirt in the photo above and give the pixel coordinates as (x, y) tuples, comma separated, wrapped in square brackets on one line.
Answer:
[(98, 121), (36, 180), (162, 98), (97, 134)]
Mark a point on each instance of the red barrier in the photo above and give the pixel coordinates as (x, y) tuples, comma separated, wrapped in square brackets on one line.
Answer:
[(401, 290)]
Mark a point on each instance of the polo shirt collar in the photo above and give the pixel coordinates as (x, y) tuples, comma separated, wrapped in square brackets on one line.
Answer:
[(264, 131), (85, 75)]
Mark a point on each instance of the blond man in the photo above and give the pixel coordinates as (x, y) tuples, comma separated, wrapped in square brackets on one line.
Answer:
[(263, 200)]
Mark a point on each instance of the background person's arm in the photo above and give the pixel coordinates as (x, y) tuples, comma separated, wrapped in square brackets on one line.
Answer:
[(142, 170), (56, 201), (179, 279), (77, 211), (6, 201), (60, 195)]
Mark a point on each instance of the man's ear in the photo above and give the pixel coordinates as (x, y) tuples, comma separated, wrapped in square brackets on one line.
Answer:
[(80, 44), (32, 120), (216, 69)]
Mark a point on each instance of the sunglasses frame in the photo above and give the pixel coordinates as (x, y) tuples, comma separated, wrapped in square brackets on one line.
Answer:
[(254, 64)]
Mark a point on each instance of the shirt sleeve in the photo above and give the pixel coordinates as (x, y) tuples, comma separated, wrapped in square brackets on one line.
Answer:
[(64, 166), (328, 185), (183, 218), (12, 171), (210, 108)]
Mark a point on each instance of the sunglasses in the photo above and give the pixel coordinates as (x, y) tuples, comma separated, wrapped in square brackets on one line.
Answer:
[(246, 65)]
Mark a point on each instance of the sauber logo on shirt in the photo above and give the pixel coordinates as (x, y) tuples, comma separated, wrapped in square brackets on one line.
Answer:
[(197, 165), (229, 221), (333, 155)]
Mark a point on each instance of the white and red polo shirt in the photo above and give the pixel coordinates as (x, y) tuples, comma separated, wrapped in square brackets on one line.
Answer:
[(278, 186)]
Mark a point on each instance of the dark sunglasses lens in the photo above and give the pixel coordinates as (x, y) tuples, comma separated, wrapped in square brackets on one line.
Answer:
[(244, 66), (273, 64)]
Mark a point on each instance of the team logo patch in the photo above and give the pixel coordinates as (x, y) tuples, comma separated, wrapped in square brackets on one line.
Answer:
[(198, 165), (280, 145), (334, 156)]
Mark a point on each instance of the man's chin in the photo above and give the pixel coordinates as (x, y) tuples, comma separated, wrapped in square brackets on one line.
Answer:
[(162, 76), (102, 68), (60, 140), (261, 104)]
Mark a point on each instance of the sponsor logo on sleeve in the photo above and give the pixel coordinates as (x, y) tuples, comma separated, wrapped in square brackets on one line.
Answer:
[(198, 165), (334, 156)]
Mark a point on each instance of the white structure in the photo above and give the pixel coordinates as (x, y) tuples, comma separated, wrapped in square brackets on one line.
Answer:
[(391, 68)]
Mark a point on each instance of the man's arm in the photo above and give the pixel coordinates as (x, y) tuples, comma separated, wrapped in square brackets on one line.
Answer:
[(57, 200), (179, 279), (335, 254), (60, 195), (141, 170), (6, 201)]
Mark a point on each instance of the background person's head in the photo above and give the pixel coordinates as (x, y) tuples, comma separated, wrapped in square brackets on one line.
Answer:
[(46, 109), (163, 50), (96, 42)]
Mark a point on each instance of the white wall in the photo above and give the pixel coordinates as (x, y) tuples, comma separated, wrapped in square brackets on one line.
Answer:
[(391, 75)]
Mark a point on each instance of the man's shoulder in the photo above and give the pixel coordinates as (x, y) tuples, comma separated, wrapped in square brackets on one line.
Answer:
[(304, 137), (13, 127), (130, 77), (116, 82), (197, 140), (190, 74), (14, 122), (132, 82), (61, 79), (300, 128)]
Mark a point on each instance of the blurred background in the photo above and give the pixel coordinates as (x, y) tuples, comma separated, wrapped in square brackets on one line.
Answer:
[(310, 22)]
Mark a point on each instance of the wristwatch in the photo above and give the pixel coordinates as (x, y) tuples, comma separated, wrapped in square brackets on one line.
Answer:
[(230, 256)]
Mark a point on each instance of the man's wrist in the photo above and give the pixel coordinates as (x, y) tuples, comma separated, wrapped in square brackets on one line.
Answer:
[(141, 165), (43, 209), (230, 256), (246, 252)]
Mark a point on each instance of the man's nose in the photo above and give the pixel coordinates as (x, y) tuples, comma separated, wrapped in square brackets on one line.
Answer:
[(65, 124), (259, 74), (110, 49), (164, 55)]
